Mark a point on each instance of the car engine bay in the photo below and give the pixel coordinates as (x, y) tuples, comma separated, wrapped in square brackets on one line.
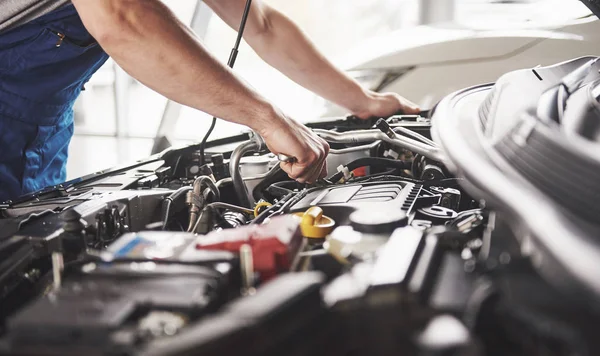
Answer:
[(467, 230)]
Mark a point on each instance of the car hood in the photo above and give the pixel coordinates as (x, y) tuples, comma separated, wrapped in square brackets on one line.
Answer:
[(593, 5), (432, 44)]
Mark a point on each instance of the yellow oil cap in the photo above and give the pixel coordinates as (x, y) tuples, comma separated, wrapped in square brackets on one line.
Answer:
[(314, 224)]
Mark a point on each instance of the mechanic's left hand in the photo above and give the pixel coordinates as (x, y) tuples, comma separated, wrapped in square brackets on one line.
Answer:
[(387, 104)]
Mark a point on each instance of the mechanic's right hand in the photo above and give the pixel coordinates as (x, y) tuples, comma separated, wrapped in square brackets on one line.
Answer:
[(288, 137), (386, 104)]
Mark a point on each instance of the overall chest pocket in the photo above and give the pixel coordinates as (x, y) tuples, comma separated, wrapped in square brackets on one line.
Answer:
[(53, 47), (45, 73), (48, 40)]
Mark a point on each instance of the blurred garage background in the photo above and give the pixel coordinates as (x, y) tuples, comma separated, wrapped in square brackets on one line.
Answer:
[(117, 118)]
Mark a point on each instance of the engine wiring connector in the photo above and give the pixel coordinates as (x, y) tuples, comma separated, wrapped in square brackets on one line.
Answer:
[(385, 128)]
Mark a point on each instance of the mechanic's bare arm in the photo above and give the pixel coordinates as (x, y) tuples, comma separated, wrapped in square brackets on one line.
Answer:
[(283, 45), (147, 41)]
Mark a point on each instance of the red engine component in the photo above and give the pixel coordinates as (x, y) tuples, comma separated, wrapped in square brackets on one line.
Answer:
[(274, 245), (360, 172)]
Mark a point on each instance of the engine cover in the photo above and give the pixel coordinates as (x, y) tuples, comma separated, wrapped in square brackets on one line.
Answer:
[(340, 201)]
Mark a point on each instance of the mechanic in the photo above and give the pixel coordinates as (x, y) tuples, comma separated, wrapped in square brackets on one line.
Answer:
[(50, 48)]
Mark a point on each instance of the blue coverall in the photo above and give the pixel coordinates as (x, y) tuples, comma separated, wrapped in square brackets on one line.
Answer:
[(44, 65)]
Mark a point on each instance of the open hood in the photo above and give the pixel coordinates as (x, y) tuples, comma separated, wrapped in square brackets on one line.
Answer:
[(594, 5)]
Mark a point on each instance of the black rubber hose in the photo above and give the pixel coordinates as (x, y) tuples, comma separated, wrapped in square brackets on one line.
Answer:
[(205, 180), (415, 165), (234, 171), (168, 202), (276, 174), (230, 63), (205, 140), (371, 162)]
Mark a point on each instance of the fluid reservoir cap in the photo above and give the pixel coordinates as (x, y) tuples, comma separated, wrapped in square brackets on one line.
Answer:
[(314, 224), (375, 221)]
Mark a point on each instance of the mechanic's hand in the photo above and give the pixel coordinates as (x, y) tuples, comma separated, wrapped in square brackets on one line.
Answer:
[(386, 104), (286, 136)]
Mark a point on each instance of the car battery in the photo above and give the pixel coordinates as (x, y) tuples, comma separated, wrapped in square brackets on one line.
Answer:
[(274, 245), (163, 246), (144, 287)]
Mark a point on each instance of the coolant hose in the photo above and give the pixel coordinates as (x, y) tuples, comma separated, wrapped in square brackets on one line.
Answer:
[(254, 145), (223, 182), (276, 174), (168, 202)]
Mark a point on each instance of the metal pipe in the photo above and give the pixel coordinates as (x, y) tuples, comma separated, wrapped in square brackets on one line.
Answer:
[(206, 180), (193, 221), (196, 199), (206, 216), (239, 209), (234, 170), (374, 135), (247, 270), (57, 269), (414, 135), (342, 151)]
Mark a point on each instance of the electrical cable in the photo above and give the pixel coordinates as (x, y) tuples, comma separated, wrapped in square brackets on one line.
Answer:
[(230, 63), (392, 172), (371, 162)]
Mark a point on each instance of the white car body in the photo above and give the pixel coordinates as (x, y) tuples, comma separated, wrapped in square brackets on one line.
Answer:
[(444, 59)]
